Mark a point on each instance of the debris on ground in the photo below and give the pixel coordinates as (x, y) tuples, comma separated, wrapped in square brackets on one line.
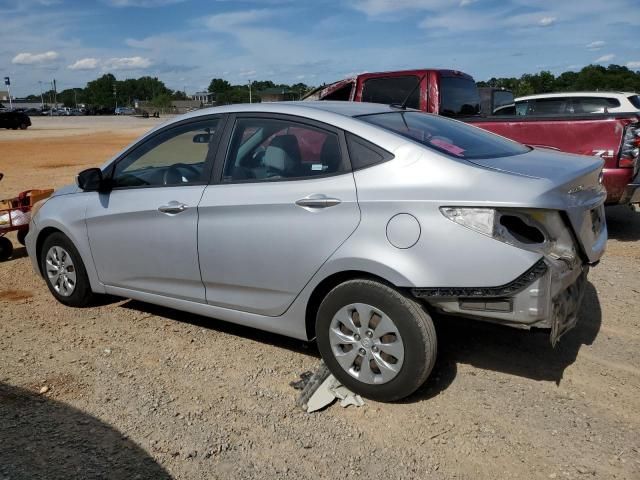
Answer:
[(321, 388)]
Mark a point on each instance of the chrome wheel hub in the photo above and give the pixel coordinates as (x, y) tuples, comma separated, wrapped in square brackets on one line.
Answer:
[(366, 343), (61, 271)]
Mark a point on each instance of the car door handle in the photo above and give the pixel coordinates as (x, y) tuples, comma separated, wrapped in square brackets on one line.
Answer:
[(172, 208), (317, 201)]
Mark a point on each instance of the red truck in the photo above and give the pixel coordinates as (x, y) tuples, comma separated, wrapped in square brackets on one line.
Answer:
[(614, 137)]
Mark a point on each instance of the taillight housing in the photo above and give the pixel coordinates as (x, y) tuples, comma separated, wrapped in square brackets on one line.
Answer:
[(630, 149)]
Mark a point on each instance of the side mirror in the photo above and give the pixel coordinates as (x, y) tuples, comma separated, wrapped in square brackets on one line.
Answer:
[(91, 180)]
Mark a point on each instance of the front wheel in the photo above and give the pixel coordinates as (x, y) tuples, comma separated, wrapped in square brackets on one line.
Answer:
[(376, 341), (64, 271), (23, 126)]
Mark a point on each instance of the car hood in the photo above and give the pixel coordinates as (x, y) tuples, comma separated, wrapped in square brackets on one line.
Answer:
[(66, 190)]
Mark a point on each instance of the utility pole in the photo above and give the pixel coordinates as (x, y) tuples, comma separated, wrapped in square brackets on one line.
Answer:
[(51, 100), (115, 96), (250, 92), (7, 82), (41, 96), (55, 93), (75, 97)]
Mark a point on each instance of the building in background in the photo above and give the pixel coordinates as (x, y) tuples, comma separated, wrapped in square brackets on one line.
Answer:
[(4, 96), (206, 98)]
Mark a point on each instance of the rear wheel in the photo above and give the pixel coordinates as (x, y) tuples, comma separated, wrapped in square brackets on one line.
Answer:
[(376, 341), (6, 248), (64, 271), (23, 126)]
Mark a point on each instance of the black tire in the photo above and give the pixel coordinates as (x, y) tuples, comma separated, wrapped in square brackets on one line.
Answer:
[(412, 322), (23, 126), (21, 236), (82, 296), (6, 249)]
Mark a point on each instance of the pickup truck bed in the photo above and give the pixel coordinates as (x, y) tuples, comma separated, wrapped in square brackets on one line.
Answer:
[(596, 135)]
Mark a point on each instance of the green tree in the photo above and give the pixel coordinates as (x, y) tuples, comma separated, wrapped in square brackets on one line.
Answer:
[(219, 85), (99, 92)]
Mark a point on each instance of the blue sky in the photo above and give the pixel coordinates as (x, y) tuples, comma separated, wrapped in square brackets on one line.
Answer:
[(188, 42)]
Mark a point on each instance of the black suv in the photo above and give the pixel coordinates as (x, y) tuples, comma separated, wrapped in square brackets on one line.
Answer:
[(14, 120)]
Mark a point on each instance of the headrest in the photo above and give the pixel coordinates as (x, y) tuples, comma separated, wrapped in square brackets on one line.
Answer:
[(283, 154)]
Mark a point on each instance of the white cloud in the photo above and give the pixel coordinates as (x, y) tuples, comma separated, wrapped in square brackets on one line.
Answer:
[(378, 7), (34, 58), (547, 21), (142, 3), (597, 45), (605, 58), (127, 63), (635, 64), (84, 64), (464, 3), (224, 22)]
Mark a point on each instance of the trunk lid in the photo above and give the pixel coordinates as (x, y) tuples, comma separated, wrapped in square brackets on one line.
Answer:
[(574, 187)]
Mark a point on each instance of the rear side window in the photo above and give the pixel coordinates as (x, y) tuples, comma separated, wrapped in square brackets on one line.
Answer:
[(458, 97), (390, 90), (365, 154), (635, 100), (592, 104), (450, 137), (340, 94)]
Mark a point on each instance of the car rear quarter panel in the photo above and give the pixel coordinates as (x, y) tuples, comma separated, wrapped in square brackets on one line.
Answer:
[(446, 254)]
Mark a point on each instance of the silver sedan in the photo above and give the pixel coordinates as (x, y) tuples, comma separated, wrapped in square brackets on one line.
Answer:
[(349, 223)]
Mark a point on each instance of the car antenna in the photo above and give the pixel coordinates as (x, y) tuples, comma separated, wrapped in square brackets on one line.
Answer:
[(403, 105)]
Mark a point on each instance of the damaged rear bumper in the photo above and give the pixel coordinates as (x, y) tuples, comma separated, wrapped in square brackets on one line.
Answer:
[(548, 295)]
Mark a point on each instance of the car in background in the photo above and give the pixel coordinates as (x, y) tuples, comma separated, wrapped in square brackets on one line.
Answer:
[(347, 222), (33, 112), (104, 111), (124, 111), (14, 120), (577, 103)]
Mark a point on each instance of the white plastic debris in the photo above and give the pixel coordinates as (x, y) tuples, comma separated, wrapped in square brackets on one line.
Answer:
[(321, 388)]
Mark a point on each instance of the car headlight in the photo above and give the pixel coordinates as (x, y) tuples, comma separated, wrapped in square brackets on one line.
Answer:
[(541, 231)]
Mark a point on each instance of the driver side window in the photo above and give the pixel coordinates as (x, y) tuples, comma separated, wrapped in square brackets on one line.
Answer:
[(174, 157)]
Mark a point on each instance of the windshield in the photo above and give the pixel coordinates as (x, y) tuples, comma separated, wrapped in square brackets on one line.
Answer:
[(447, 136), (459, 97)]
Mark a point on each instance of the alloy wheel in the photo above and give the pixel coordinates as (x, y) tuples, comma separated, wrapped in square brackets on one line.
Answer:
[(61, 271), (366, 343)]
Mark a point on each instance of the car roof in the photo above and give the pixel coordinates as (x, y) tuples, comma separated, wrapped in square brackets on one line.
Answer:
[(304, 108), (577, 94)]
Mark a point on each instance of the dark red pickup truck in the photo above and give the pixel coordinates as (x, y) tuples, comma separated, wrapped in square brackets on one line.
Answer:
[(614, 137)]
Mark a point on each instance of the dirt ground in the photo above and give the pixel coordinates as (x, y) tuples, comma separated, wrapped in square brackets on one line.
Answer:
[(129, 390)]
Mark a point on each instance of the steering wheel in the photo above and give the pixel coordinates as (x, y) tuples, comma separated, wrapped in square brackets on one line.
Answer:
[(173, 175)]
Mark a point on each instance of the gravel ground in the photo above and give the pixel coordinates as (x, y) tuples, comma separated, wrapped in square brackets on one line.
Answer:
[(130, 390)]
